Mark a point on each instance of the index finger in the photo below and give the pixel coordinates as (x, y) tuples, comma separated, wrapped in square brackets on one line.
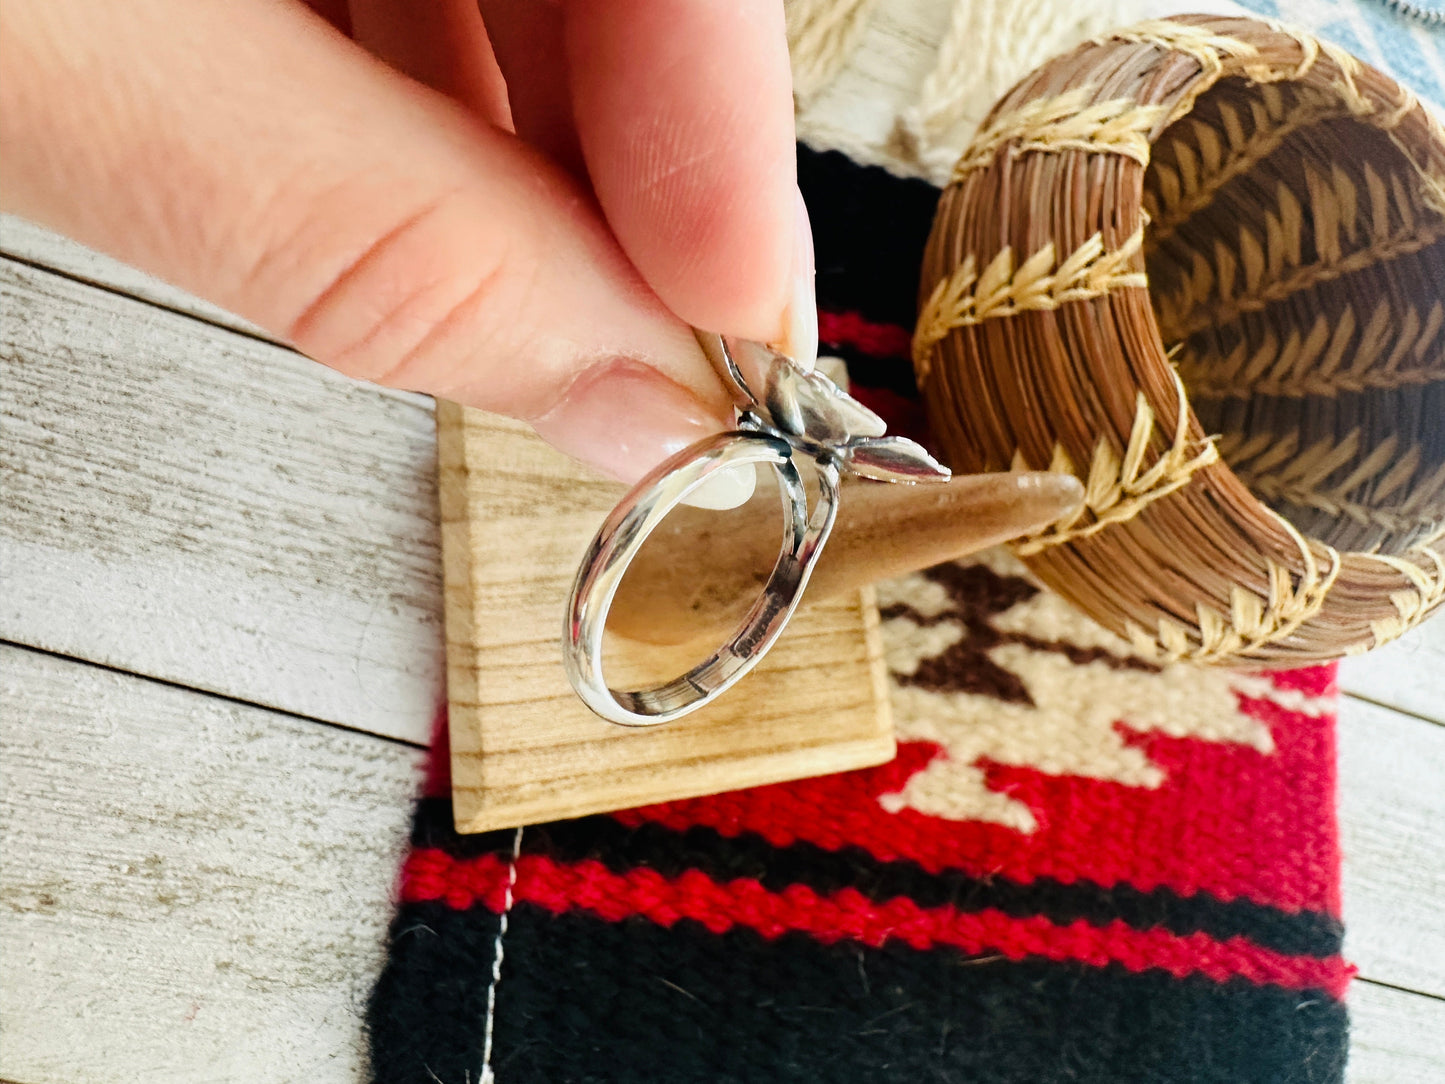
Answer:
[(684, 112)]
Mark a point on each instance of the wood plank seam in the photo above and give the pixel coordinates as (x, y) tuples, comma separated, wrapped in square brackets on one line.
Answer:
[(1406, 712), (1400, 989), (260, 525), (257, 335), (12, 256), (194, 888), (213, 695)]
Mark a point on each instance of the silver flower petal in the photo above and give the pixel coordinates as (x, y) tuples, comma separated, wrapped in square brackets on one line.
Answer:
[(892, 459), (810, 406)]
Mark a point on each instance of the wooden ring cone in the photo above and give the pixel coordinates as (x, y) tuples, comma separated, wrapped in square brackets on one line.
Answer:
[(702, 569)]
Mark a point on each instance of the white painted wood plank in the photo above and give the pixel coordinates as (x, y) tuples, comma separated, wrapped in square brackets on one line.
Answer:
[(1408, 674), (1395, 1037), (191, 504), (193, 889), (1392, 808), (35, 244)]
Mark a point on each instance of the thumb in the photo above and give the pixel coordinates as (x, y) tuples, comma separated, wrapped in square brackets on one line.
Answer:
[(246, 151)]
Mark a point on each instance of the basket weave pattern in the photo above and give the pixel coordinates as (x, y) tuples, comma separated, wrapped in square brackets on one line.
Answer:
[(1200, 264)]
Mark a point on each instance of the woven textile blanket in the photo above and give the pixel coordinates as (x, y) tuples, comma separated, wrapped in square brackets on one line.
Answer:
[(1080, 867)]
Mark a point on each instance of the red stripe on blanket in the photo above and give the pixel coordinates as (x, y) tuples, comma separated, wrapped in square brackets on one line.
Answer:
[(433, 875), (1228, 820), (880, 340)]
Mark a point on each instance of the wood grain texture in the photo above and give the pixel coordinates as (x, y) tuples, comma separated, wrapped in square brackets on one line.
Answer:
[(29, 243), (1395, 1037), (516, 519), (1392, 807), (198, 506), (190, 889), (881, 532)]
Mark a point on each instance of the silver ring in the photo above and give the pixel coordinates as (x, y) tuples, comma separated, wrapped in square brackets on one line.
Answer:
[(783, 410), (621, 538)]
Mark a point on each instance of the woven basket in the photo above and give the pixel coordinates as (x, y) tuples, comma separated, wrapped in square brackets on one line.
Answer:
[(1200, 264)]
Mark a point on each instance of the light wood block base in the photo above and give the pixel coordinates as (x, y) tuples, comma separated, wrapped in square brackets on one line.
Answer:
[(516, 518)]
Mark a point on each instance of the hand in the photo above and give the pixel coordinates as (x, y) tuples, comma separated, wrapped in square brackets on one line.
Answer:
[(387, 203)]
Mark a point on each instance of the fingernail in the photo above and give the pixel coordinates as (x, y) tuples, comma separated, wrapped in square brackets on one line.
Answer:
[(730, 487), (800, 321), (625, 418)]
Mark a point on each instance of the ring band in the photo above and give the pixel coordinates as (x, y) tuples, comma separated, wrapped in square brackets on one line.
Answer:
[(783, 411), (621, 538)]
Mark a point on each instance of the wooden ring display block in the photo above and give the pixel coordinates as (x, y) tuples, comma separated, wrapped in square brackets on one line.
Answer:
[(516, 518)]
